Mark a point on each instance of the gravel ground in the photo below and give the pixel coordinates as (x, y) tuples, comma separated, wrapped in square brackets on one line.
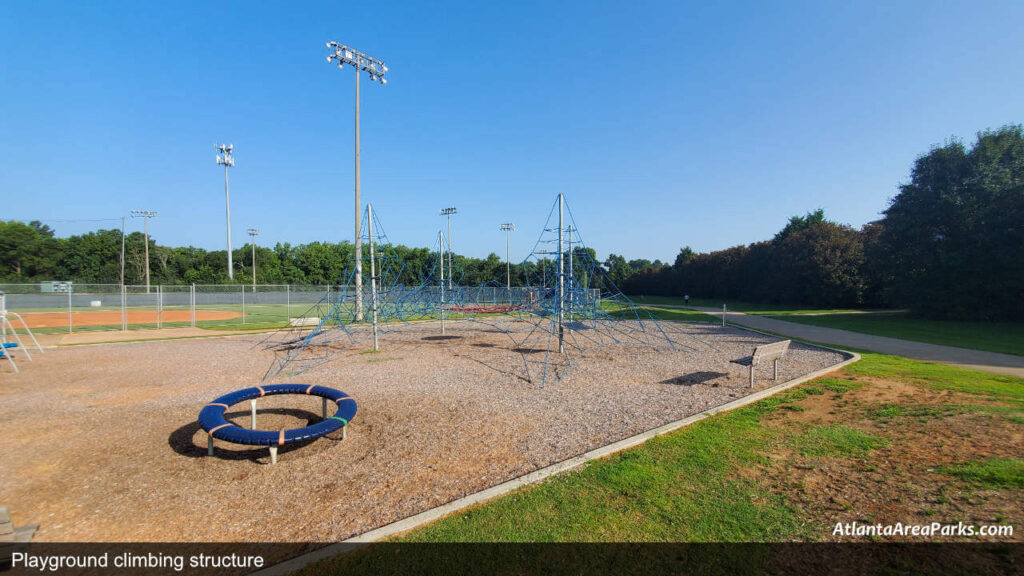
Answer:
[(101, 442)]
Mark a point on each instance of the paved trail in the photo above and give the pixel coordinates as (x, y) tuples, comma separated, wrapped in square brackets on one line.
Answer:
[(964, 357)]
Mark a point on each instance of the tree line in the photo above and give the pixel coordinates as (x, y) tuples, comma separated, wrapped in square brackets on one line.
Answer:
[(949, 245), (31, 253)]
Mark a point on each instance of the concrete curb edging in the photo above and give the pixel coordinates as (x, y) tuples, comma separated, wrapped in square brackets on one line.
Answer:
[(427, 516)]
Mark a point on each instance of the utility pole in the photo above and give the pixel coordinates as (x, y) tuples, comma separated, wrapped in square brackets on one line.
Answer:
[(253, 233), (343, 55), (122, 251), (226, 160), (448, 212), (145, 215), (508, 227)]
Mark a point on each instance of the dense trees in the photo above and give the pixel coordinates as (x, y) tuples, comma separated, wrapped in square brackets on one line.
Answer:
[(953, 239), (951, 245), (30, 253), (26, 250), (812, 261)]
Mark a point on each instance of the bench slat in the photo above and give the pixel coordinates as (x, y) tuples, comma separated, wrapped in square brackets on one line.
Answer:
[(771, 351), (764, 353)]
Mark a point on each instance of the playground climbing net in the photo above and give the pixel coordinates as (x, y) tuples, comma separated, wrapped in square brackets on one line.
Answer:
[(565, 307)]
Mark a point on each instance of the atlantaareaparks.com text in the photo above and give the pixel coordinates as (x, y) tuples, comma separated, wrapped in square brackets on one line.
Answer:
[(922, 530)]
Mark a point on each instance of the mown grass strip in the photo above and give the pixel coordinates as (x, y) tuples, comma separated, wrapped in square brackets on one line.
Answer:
[(1002, 337), (938, 376), (994, 473)]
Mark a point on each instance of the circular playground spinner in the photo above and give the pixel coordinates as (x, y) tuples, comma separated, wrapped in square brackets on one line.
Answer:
[(212, 420)]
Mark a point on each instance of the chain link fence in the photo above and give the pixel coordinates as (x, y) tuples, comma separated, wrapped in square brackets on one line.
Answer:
[(59, 307), (66, 307)]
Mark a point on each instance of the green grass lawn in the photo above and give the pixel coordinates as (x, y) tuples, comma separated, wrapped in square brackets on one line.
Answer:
[(677, 314), (1004, 337), (736, 306), (737, 476)]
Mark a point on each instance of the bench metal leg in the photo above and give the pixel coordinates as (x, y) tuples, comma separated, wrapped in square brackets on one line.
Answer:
[(344, 432), (324, 409), (273, 454), (751, 375), (776, 377), (252, 403), (209, 444)]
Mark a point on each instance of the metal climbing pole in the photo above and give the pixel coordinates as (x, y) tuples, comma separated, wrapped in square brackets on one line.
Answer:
[(569, 230), (440, 264), (373, 274), (561, 278)]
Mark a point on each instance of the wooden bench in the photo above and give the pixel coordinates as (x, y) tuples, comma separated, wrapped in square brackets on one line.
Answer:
[(774, 351)]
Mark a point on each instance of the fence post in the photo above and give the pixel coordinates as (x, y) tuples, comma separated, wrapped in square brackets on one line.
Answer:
[(159, 306), (70, 325), (723, 315), (192, 304), (288, 301), (124, 309), (243, 305)]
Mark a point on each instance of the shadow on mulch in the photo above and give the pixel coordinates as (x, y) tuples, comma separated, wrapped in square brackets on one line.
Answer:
[(499, 370), (694, 378), (483, 345), (181, 439), (528, 350), (441, 337)]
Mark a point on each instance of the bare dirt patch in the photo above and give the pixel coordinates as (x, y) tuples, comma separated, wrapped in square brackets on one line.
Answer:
[(113, 317), (902, 482)]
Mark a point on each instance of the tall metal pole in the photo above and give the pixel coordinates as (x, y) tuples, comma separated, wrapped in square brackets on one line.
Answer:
[(253, 233), (342, 55), (227, 160), (122, 250), (227, 214), (448, 212), (449, 251), (145, 215), (145, 232), (569, 230), (440, 264), (508, 227), (373, 274), (359, 215), (561, 278)]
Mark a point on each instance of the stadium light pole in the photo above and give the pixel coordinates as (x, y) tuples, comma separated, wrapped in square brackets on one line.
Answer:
[(342, 55), (228, 161), (145, 215), (253, 233), (448, 212), (508, 227)]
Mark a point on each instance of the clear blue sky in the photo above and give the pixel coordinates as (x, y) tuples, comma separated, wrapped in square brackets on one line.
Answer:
[(666, 124)]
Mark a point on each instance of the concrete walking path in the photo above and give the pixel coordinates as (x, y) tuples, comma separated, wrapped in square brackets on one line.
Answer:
[(994, 362)]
